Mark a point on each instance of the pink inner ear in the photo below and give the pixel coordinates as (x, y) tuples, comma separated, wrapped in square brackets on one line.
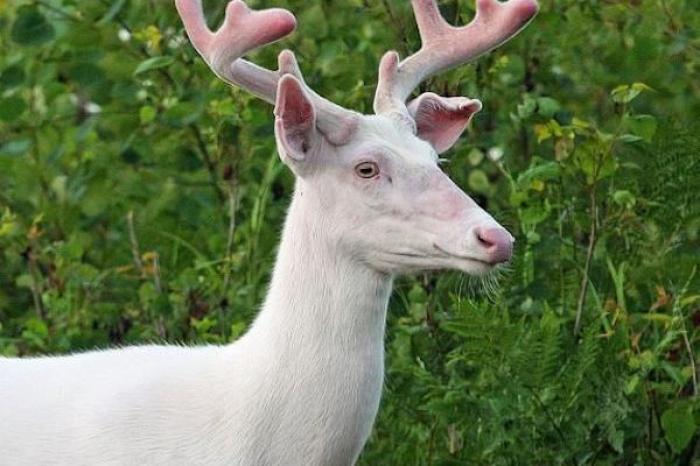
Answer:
[(293, 107), (442, 120), (295, 118)]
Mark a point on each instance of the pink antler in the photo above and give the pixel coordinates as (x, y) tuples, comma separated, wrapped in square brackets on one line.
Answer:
[(245, 30), (446, 46)]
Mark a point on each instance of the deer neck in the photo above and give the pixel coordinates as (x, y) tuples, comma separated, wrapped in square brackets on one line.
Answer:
[(316, 350), (321, 299)]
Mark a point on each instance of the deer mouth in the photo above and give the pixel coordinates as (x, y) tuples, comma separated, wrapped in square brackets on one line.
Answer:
[(409, 261), (480, 262)]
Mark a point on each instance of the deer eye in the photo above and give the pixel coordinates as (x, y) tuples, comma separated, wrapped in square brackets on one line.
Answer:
[(367, 169)]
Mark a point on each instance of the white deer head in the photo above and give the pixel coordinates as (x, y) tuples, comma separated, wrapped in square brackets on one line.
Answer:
[(376, 177)]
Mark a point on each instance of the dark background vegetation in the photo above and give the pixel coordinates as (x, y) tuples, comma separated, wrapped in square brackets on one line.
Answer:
[(141, 200)]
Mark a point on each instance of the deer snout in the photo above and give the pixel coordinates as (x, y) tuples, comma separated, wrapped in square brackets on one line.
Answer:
[(496, 242)]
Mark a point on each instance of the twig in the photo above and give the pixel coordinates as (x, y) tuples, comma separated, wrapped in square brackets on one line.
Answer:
[(232, 208), (35, 152), (36, 288), (431, 443), (673, 24), (691, 355), (684, 332), (160, 321), (401, 29), (59, 11), (134, 242), (156, 273), (653, 416), (135, 252), (549, 417), (208, 162), (592, 238)]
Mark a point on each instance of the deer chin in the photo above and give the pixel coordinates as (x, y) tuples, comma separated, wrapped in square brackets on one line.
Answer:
[(397, 263)]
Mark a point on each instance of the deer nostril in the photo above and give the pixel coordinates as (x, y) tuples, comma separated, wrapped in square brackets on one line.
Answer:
[(483, 238), (497, 242)]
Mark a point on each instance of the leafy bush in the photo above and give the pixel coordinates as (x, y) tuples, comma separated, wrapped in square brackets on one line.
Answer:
[(141, 199)]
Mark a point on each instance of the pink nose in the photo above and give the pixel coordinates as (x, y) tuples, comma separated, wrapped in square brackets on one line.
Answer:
[(497, 242)]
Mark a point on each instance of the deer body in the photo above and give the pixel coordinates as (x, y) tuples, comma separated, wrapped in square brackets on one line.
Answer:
[(302, 386)]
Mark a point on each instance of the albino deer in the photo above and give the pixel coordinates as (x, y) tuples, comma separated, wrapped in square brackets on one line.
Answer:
[(302, 386)]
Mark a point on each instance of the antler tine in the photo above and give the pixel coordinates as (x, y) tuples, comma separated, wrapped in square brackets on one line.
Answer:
[(243, 30), (445, 46)]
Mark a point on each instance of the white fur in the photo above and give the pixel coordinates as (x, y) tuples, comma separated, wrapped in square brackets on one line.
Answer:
[(302, 387)]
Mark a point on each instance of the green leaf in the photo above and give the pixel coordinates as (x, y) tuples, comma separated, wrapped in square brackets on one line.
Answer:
[(147, 293), (630, 138), (31, 27), (543, 171), (475, 157), (36, 331), (147, 114), (237, 329), (624, 198), (417, 294), (679, 427), (547, 107), (626, 93), (12, 108), (527, 108), (314, 14), (642, 126), (153, 63), (182, 114), (37, 327), (11, 77), (534, 215), (546, 131), (15, 147), (675, 373), (641, 87), (620, 93), (616, 438), (24, 281), (478, 181), (86, 74)]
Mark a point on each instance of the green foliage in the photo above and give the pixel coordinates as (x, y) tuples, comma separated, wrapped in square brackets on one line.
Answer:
[(141, 199)]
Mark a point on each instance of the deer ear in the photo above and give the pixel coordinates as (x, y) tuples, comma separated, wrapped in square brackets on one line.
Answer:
[(442, 120), (295, 120)]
